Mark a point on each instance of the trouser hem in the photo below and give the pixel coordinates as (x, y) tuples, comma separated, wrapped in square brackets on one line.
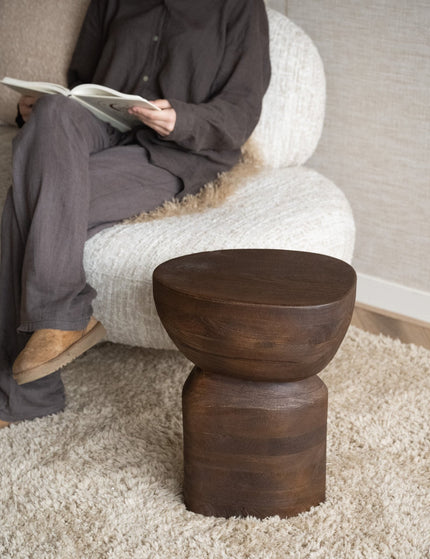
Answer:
[(55, 324), (15, 419)]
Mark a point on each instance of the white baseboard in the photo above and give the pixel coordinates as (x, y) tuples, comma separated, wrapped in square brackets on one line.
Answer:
[(393, 298)]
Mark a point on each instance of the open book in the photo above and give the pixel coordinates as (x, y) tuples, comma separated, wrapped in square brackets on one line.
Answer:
[(105, 103)]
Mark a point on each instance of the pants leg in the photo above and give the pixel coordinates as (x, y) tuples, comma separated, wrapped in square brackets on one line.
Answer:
[(44, 396), (70, 181), (124, 183), (51, 197)]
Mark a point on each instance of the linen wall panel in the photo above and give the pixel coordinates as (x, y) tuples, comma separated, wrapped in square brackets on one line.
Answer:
[(280, 5), (376, 138)]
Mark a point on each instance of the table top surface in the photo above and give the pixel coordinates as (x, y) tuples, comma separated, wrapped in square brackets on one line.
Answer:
[(259, 276)]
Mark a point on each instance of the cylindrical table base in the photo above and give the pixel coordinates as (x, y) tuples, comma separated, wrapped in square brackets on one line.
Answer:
[(253, 448)]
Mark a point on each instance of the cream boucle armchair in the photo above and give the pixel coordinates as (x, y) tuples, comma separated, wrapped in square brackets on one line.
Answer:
[(279, 204)]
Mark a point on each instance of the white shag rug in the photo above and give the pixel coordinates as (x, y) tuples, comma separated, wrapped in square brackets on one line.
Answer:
[(103, 479)]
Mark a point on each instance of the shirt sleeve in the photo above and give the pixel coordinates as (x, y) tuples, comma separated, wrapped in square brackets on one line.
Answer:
[(228, 119), (88, 47)]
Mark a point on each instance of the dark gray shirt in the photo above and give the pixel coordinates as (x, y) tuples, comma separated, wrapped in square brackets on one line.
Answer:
[(209, 58)]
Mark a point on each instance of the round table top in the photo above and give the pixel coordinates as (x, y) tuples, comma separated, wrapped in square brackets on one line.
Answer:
[(259, 276)]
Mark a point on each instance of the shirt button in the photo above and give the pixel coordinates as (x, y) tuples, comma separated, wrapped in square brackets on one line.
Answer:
[(145, 78), (155, 38)]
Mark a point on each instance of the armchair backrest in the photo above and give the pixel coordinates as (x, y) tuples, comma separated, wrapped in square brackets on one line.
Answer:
[(294, 105)]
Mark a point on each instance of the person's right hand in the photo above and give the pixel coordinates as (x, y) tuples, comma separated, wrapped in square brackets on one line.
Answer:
[(25, 105)]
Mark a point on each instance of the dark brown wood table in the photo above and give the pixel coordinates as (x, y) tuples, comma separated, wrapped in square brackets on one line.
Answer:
[(258, 325)]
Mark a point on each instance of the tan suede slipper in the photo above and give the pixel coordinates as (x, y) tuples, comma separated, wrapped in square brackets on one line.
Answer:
[(48, 350), (4, 423)]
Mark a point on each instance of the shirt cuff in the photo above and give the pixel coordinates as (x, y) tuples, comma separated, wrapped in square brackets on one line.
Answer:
[(184, 130)]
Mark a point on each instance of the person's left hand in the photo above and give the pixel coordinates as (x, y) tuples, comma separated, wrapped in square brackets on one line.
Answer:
[(163, 122), (25, 106)]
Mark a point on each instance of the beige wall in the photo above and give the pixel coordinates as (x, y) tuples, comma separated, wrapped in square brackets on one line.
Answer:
[(280, 5), (376, 139)]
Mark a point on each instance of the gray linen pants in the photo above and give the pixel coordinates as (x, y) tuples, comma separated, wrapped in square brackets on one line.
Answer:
[(73, 175)]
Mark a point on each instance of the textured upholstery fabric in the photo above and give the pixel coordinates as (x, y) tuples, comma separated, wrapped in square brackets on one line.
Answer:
[(298, 209), (293, 109), (284, 205)]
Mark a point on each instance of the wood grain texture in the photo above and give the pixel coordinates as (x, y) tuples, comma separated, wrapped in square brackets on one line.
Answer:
[(396, 327), (268, 315), (259, 325), (253, 448)]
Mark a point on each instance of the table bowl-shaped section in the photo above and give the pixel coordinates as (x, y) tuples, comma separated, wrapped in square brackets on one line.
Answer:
[(265, 315)]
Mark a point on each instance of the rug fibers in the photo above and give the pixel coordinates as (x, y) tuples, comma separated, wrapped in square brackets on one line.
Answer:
[(102, 480)]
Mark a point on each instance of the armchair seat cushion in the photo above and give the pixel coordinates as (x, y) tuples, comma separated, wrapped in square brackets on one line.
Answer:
[(296, 209)]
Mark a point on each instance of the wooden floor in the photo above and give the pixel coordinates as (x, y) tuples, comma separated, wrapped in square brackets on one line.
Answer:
[(394, 326)]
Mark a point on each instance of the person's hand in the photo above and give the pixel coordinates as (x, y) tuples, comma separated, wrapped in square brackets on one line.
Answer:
[(25, 105), (163, 122)]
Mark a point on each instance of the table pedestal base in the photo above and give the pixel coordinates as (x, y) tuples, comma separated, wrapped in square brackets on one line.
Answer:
[(253, 448)]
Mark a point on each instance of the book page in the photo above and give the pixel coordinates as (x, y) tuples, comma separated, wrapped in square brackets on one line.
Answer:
[(34, 88), (90, 91), (101, 114), (93, 89), (116, 107)]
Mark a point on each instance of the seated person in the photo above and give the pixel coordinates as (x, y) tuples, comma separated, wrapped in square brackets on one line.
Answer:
[(206, 65)]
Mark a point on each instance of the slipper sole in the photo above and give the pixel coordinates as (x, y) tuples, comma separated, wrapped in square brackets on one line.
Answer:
[(82, 345)]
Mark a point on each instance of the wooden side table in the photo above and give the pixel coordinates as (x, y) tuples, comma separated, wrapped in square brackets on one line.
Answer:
[(259, 325)]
